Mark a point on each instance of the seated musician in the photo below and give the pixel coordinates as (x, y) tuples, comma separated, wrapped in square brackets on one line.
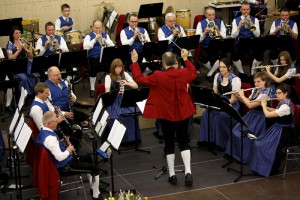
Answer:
[(119, 80), (50, 44), (62, 153), (134, 36), (283, 74), (259, 8), (170, 31), (224, 81), (205, 30), (266, 152), (254, 118), (241, 28), (94, 43), (64, 23), (17, 47), (284, 26)]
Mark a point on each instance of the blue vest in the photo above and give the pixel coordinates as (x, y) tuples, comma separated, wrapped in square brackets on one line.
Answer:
[(40, 140), (228, 88), (288, 119), (43, 106), (96, 50), (60, 97), (204, 23), (137, 45), (244, 33), (44, 40), (278, 21), (167, 33), (64, 23)]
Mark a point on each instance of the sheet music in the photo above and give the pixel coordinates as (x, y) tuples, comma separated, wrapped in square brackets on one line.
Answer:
[(103, 122), (104, 146), (111, 20), (22, 98), (97, 111), (116, 134), (19, 127), (13, 122), (24, 137), (98, 127), (141, 105)]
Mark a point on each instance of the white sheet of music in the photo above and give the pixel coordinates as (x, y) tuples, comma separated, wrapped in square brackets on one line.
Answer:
[(116, 134), (24, 137), (112, 18), (104, 146), (22, 98), (141, 105), (13, 122), (19, 127), (103, 122), (98, 127), (97, 111)]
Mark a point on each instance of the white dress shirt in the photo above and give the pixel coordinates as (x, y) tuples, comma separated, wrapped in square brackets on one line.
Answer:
[(161, 35), (58, 23), (235, 31), (130, 41), (36, 112), (1, 53), (89, 44), (63, 45)]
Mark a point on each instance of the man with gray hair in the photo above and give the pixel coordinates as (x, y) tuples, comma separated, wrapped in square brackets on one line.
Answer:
[(170, 31)]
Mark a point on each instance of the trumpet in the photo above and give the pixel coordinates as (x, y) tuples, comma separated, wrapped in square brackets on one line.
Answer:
[(142, 40), (264, 66), (103, 44), (284, 28), (53, 46), (249, 24), (213, 32), (234, 92), (267, 99), (28, 47)]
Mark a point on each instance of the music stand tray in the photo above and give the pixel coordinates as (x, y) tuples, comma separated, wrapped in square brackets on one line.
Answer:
[(68, 60), (221, 45), (256, 43), (110, 53), (188, 43), (40, 64), (15, 66), (150, 10), (155, 48), (273, 42)]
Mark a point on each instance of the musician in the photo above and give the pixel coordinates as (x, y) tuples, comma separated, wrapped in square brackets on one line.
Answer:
[(134, 36), (284, 26), (259, 8), (239, 31), (266, 152), (65, 23), (224, 81), (62, 153), (283, 74), (119, 80), (170, 102), (254, 118), (94, 43), (50, 44), (210, 57), (1, 54), (170, 31)]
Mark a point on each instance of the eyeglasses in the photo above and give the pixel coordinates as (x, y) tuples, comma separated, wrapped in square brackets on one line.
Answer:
[(277, 93)]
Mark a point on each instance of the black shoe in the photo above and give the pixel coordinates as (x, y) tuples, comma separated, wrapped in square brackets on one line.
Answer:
[(156, 134), (188, 179), (92, 93), (173, 180), (77, 79)]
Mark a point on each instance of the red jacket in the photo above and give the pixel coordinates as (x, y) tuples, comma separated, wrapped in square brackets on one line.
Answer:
[(168, 97)]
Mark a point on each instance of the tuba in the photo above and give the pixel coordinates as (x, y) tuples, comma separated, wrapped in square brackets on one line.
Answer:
[(213, 32), (249, 24), (27, 46), (53, 46)]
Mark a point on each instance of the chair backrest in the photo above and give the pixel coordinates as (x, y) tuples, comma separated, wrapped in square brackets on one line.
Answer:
[(100, 89), (197, 19), (48, 176), (121, 21)]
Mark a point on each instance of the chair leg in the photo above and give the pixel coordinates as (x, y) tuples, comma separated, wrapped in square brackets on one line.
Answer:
[(84, 193), (286, 159)]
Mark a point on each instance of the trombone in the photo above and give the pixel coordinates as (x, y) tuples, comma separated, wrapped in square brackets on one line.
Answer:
[(249, 24), (28, 47), (53, 46), (213, 32)]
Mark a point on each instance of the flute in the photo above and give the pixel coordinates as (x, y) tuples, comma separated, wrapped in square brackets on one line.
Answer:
[(259, 100), (264, 66), (233, 92), (295, 75)]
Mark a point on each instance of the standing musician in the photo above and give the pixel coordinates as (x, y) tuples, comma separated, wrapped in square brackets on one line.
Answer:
[(207, 32), (284, 26), (94, 43), (170, 31), (64, 23), (170, 102), (62, 153), (134, 36), (243, 27), (50, 44)]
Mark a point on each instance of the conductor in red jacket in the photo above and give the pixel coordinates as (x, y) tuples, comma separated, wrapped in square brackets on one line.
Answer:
[(170, 102)]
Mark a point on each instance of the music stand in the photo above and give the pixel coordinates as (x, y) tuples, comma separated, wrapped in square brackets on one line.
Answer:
[(188, 43), (130, 98), (108, 54), (282, 42), (254, 44), (40, 64), (15, 66), (6, 25), (221, 45)]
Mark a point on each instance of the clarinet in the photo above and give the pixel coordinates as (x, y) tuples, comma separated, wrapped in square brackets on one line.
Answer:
[(58, 112), (70, 95)]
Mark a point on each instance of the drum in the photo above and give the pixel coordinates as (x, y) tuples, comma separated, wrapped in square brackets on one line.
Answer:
[(190, 32), (74, 37), (183, 18), (59, 33)]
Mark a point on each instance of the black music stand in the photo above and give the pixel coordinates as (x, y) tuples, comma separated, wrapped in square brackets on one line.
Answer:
[(206, 98), (188, 43), (152, 49), (6, 25), (108, 54), (282, 42), (254, 44), (149, 11), (130, 97), (40, 64), (223, 45)]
